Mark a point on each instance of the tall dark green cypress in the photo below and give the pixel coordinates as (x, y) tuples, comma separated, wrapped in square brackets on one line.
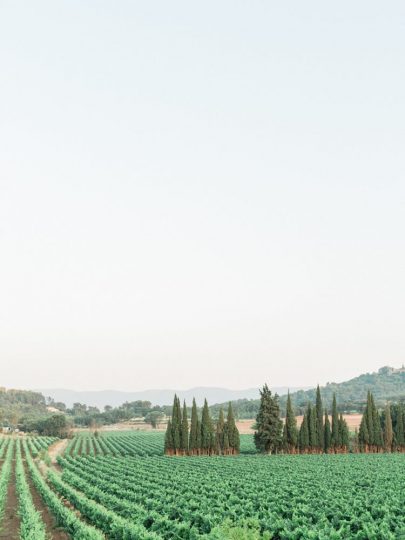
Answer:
[(400, 429), (199, 440), (194, 429), (184, 430), (233, 432), (313, 435), (366, 427), (268, 434), (388, 431), (377, 429), (169, 447), (290, 432), (319, 420), (327, 434), (343, 438), (219, 434), (369, 419), (303, 437), (207, 432), (364, 437), (176, 425), (335, 425), (345, 435)]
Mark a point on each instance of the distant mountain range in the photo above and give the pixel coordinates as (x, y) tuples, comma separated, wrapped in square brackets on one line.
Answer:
[(157, 397)]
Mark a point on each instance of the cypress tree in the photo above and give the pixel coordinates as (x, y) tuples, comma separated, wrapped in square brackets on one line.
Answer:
[(369, 420), (400, 431), (290, 432), (219, 435), (176, 425), (233, 432), (194, 428), (207, 432), (199, 439), (327, 434), (377, 429), (319, 420), (184, 430), (364, 436), (313, 438), (388, 432), (268, 436), (284, 443), (304, 435), (169, 439), (335, 425), (225, 447), (343, 438)]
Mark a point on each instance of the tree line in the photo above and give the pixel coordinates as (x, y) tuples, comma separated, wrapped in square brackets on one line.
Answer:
[(320, 434), (382, 432), (202, 437), (316, 435)]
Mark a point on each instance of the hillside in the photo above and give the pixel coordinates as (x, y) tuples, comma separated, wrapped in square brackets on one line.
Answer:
[(387, 384), (18, 404)]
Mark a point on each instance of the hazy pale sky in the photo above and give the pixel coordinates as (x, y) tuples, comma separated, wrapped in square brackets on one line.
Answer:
[(200, 193)]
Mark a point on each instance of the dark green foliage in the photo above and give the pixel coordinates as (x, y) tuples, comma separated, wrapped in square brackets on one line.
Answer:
[(194, 443), (335, 425), (169, 445), (55, 426), (313, 435), (304, 434), (319, 420), (176, 425), (290, 431), (371, 437), (388, 430), (399, 427), (184, 430), (207, 431), (199, 443), (174, 430), (232, 430), (343, 435), (327, 434), (268, 436), (219, 433)]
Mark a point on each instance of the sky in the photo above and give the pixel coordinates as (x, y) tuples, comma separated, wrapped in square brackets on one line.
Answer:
[(200, 194)]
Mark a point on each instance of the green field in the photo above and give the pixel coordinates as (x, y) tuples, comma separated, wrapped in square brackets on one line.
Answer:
[(282, 497), (120, 486)]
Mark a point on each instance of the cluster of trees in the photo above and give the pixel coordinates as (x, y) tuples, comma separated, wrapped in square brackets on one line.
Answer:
[(55, 425), (89, 416), (316, 435), (382, 433), (203, 437)]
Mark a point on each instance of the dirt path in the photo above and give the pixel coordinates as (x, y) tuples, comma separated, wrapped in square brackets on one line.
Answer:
[(52, 530), (10, 526), (57, 449)]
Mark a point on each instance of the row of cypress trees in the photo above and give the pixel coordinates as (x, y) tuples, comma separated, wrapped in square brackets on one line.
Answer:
[(316, 434), (379, 433), (202, 437)]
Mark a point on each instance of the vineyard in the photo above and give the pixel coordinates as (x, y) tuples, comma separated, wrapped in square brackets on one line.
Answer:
[(120, 486)]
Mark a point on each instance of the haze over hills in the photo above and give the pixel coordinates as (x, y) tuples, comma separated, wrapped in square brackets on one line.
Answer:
[(157, 397)]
